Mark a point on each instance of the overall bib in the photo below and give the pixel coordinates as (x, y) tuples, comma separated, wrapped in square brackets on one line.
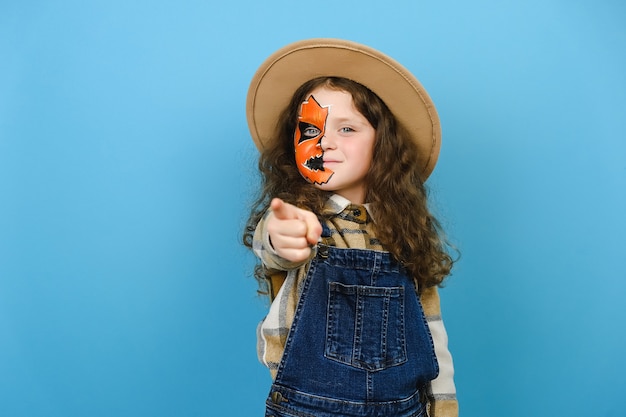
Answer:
[(359, 344)]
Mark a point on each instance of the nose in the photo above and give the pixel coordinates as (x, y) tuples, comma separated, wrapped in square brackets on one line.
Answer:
[(327, 142)]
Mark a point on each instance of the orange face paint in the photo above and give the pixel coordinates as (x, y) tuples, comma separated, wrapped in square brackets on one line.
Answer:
[(307, 142)]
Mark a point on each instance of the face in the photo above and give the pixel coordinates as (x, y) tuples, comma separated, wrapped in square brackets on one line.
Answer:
[(334, 144)]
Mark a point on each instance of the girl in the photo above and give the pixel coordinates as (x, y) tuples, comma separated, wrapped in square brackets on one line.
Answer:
[(350, 254)]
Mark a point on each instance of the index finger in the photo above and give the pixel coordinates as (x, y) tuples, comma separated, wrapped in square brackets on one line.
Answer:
[(283, 211)]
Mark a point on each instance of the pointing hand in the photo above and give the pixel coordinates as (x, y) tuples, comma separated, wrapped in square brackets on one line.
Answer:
[(292, 230)]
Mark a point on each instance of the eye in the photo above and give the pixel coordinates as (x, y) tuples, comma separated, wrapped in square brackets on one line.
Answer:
[(308, 131), (311, 132), (347, 130)]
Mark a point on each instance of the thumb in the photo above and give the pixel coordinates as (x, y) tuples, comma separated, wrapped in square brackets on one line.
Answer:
[(314, 229)]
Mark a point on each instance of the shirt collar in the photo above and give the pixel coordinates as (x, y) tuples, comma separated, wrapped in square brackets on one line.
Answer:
[(336, 204)]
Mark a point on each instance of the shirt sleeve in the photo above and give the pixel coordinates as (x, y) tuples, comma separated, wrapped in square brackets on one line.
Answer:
[(273, 330), (442, 392)]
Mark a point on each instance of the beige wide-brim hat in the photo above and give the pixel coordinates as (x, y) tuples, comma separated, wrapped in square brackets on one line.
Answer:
[(284, 71)]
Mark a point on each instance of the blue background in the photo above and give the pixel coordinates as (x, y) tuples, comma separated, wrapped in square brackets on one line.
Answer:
[(126, 167)]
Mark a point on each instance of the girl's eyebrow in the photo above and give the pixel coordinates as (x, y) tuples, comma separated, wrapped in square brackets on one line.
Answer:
[(349, 119)]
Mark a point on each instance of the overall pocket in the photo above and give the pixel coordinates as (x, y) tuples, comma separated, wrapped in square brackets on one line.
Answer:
[(365, 326)]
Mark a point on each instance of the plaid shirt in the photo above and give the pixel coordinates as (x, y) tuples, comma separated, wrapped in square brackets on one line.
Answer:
[(351, 227)]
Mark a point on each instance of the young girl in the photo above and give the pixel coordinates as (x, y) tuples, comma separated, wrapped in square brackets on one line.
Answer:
[(350, 254)]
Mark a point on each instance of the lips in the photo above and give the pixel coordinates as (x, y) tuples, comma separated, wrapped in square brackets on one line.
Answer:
[(315, 163), (313, 170)]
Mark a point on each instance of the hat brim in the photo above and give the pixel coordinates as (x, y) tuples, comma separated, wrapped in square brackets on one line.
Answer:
[(288, 68)]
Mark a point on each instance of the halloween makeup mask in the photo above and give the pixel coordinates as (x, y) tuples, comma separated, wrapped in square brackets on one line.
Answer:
[(307, 142)]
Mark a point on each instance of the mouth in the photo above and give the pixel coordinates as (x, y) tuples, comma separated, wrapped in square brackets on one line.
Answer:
[(314, 172), (315, 163)]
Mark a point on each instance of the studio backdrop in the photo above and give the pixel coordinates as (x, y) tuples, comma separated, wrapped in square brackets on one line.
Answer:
[(127, 171)]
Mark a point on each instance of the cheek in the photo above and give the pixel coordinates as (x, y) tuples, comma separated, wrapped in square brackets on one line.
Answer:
[(363, 154), (307, 150)]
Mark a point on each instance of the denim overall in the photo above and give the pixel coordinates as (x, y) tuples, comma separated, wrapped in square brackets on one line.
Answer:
[(359, 344)]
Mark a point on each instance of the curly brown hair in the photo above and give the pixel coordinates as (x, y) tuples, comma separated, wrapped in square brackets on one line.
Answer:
[(395, 191)]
